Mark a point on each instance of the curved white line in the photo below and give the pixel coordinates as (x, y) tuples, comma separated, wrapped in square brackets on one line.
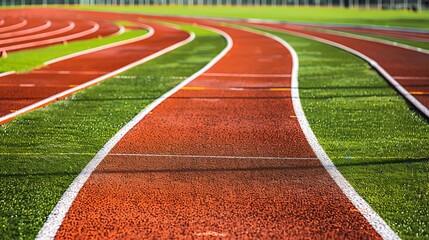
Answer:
[(147, 35), (4, 74), (408, 96), (377, 40), (365, 209), (44, 26), (48, 100), (57, 215), (53, 40), (15, 26), (120, 31), (69, 27)]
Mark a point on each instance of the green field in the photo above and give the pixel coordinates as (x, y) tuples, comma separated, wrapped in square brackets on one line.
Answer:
[(388, 18), (43, 151), (367, 129)]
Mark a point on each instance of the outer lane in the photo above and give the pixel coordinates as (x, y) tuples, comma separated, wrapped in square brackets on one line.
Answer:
[(407, 67), (223, 157)]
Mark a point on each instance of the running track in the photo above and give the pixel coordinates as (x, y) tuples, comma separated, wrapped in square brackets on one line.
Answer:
[(407, 67), (27, 28), (20, 91), (223, 157), (415, 35)]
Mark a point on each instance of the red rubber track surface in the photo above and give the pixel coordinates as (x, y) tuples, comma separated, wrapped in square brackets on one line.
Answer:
[(20, 90), (409, 68), (416, 36), (157, 196), (59, 19)]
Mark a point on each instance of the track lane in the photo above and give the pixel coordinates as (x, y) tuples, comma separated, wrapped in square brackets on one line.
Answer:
[(406, 70), (416, 36), (222, 157)]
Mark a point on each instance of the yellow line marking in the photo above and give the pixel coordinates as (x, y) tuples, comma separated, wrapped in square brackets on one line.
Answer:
[(194, 88), (279, 89), (419, 93)]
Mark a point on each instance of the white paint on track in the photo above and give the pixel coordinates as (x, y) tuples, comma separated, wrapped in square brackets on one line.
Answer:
[(207, 156), (4, 74), (246, 75), (44, 26), (365, 209), (57, 215), (408, 96), (15, 26), (111, 45), (376, 40), (46, 101), (93, 29), (70, 26)]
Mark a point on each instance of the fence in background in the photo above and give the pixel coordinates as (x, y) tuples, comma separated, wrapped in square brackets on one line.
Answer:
[(380, 4)]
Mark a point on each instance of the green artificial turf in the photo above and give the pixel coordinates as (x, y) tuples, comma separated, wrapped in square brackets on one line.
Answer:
[(368, 130), (43, 151), (26, 60), (398, 18)]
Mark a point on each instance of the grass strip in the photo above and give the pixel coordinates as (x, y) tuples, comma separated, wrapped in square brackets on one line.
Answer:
[(27, 60), (398, 18), (368, 130), (44, 150)]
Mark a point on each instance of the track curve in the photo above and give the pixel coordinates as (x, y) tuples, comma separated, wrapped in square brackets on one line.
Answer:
[(21, 93), (24, 30), (222, 157), (406, 70)]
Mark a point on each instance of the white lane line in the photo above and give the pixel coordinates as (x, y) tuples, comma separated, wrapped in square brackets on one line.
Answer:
[(4, 74), (69, 72), (246, 75), (70, 91), (407, 95), (15, 26), (44, 26), (377, 40), (57, 215), (12, 115), (68, 27), (365, 209), (211, 234), (147, 35), (208, 156), (93, 29), (27, 85)]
